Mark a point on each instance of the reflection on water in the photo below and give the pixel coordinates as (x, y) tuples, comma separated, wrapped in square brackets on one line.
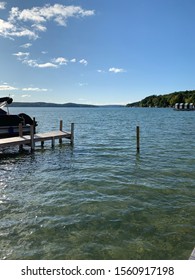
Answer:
[(99, 199)]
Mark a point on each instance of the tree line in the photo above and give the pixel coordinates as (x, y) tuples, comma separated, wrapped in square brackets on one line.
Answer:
[(166, 100)]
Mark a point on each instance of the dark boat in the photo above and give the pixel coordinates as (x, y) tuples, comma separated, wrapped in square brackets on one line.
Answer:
[(9, 124)]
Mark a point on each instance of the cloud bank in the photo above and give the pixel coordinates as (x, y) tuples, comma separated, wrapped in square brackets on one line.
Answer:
[(30, 22), (6, 87), (24, 57)]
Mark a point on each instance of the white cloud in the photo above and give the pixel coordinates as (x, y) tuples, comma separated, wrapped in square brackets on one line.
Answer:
[(2, 5), (25, 95), (39, 27), (35, 64), (60, 61), (113, 70), (46, 65), (26, 46), (83, 61), (8, 29), (30, 22), (21, 55), (33, 15), (6, 87), (34, 89), (30, 62), (5, 27), (73, 60), (116, 70), (24, 32), (52, 63), (60, 13)]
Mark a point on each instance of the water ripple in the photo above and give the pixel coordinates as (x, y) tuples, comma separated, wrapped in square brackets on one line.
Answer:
[(99, 199)]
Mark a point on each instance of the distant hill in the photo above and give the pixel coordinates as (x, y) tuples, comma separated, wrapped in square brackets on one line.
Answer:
[(45, 104), (166, 100)]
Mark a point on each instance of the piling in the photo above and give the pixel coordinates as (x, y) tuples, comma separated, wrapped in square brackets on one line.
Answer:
[(72, 134), (61, 127), (20, 135), (53, 142), (138, 138), (32, 141), (34, 123)]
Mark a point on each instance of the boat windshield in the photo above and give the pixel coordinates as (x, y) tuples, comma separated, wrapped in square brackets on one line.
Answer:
[(5, 101), (3, 104)]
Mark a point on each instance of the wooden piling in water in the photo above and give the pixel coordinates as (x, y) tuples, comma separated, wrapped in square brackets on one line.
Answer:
[(20, 135), (61, 127), (32, 141), (53, 142), (138, 138), (72, 134)]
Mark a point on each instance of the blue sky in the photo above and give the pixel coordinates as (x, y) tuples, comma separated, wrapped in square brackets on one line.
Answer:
[(96, 51)]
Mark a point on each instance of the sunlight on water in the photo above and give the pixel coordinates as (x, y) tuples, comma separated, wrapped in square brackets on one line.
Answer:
[(99, 199)]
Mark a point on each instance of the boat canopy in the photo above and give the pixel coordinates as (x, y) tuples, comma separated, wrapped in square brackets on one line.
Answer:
[(4, 101), (8, 100)]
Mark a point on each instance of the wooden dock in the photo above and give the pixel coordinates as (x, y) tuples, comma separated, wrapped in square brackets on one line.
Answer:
[(31, 139)]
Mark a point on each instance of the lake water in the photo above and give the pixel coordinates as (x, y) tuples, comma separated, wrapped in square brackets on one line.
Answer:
[(100, 199)]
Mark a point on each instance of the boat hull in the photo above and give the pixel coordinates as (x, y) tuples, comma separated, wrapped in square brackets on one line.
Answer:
[(9, 124), (12, 131)]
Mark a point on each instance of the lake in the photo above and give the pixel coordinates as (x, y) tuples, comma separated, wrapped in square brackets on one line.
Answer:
[(100, 199)]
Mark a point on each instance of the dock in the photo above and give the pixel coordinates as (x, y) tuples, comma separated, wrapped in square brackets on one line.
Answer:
[(32, 138)]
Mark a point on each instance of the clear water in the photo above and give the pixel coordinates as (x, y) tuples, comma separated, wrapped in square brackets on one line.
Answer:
[(100, 199)]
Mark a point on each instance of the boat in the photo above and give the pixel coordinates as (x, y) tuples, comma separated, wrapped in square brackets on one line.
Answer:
[(9, 124), (184, 107)]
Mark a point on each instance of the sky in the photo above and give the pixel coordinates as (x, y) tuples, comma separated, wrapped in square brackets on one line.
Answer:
[(96, 51)]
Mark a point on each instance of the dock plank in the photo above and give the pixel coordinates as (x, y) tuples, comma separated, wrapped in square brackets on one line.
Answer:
[(38, 137)]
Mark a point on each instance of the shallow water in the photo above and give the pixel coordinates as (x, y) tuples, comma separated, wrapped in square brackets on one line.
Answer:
[(100, 199)]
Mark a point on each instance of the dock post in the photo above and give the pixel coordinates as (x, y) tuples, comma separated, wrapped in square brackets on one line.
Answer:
[(138, 138), (34, 124), (53, 142), (32, 138), (72, 134), (20, 130), (61, 126), (20, 134)]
